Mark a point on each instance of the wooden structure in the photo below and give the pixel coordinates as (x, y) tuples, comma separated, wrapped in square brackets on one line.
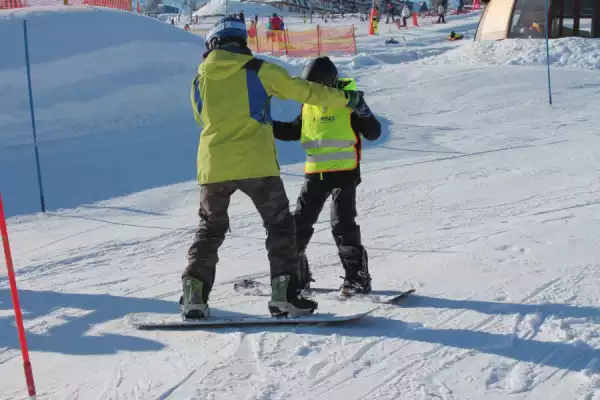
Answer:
[(527, 19)]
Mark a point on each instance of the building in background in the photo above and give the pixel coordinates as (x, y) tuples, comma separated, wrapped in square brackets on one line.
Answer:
[(504, 19)]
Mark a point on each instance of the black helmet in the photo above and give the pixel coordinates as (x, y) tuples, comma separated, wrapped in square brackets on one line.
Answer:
[(321, 70), (227, 30)]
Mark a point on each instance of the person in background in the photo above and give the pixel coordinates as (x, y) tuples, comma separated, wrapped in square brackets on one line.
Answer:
[(441, 14), (455, 36), (242, 17), (390, 13), (331, 138), (276, 22), (406, 13), (230, 98)]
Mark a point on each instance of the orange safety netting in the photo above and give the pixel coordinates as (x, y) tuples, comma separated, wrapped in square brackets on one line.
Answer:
[(333, 40), (314, 42), (120, 4)]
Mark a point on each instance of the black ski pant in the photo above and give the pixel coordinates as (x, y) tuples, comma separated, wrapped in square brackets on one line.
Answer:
[(346, 232), (269, 198)]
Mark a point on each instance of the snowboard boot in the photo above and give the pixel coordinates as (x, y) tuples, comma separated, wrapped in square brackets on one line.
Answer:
[(194, 302), (358, 279), (287, 300), (305, 274), (356, 285)]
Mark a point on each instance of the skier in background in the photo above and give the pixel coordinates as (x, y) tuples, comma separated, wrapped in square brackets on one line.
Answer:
[(231, 101), (331, 138), (242, 17)]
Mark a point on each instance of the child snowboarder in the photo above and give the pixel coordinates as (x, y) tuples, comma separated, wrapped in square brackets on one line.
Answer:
[(231, 100), (441, 9), (331, 137)]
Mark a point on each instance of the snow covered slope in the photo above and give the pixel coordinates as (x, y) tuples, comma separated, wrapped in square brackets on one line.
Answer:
[(110, 91), (479, 194), (570, 52)]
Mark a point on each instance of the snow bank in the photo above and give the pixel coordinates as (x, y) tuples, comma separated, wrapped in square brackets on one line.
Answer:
[(571, 52), (218, 7), (111, 91)]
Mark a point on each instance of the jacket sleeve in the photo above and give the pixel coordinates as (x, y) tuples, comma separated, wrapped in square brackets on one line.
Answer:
[(364, 122), (288, 131), (196, 99), (278, 82)]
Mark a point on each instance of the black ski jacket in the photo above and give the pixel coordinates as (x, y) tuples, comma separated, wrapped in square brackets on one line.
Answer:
[(363, 123)]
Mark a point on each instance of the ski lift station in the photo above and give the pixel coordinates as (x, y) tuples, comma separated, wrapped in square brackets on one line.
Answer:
[(504, 19)]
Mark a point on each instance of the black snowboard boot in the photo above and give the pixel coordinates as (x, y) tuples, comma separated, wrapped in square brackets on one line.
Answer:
[(287, 300), (357, 279), (305, 274), (351, 286)]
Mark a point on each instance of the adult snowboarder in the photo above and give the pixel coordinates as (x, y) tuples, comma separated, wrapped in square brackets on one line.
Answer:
[(231, 101), (331, 138)]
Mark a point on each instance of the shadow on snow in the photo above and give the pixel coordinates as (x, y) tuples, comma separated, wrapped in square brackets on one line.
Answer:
[(70, 334)]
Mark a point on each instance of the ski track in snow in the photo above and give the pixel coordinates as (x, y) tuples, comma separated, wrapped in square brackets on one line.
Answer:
[(478, 194)]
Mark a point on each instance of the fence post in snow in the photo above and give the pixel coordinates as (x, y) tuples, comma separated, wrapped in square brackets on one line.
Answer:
[(548, 50), (354, 39), (16, 305), (31, 109), (318, 41)]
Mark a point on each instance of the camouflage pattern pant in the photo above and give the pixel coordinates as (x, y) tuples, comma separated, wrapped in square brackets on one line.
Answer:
[(269, 198)]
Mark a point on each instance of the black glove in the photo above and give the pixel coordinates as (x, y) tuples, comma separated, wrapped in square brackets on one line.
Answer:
[(362, 109), (354, 98)]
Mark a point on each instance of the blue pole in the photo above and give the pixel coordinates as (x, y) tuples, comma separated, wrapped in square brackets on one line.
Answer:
[(31, 108), (548, 50)]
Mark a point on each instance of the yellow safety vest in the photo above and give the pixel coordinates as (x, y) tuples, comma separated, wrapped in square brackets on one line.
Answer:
[(328, 138)]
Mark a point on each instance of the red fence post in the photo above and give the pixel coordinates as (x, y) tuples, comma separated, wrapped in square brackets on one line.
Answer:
[(16, 305), (354, 39), (257, 40)]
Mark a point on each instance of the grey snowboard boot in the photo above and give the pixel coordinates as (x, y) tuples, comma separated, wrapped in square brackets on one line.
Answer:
[(287, 300), (194, 302)]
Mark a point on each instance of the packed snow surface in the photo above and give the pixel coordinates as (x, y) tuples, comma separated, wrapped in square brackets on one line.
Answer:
[(478, 194), (250, 9), (572, 52)]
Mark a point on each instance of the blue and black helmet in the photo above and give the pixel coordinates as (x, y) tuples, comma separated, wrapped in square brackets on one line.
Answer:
[(227, 30)]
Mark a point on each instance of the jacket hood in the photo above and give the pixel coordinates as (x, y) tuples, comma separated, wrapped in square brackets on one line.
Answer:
[(220, 64)]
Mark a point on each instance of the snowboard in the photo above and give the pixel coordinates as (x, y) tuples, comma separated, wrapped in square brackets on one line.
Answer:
[(250, 287), (255, 314)]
